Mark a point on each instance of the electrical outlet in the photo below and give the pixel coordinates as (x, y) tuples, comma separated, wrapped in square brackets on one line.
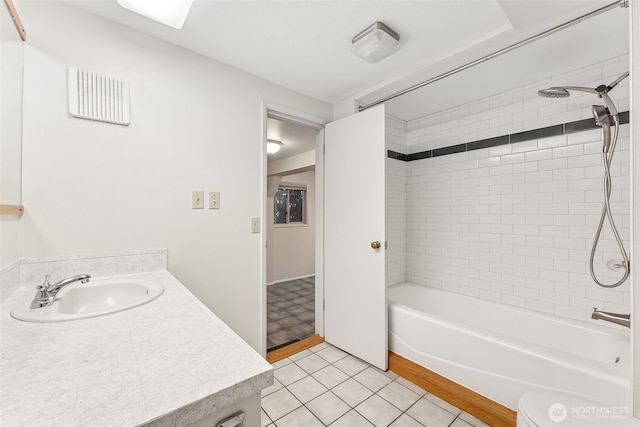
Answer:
[(197, 199), (255, 225), (214, 200)]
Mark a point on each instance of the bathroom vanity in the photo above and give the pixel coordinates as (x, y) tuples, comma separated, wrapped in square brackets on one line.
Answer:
[(168, 362)]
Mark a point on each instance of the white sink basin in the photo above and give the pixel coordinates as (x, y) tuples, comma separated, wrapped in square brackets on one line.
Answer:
[(95, 298)]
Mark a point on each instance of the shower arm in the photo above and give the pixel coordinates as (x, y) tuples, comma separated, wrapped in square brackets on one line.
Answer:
[(578, 88), (602, 93)]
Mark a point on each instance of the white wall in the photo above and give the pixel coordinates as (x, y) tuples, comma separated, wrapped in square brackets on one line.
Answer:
[(291, 250), (11, 59), (196, 124), (515, 223)]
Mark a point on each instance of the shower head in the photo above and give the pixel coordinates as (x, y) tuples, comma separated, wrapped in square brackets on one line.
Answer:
[(601, 114), (554, 92), (602, 92), (563, 91)]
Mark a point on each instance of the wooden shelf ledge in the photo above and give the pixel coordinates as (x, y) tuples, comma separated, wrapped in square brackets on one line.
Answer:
[(11, 209)]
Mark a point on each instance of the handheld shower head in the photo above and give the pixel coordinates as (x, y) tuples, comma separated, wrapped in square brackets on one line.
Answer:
[(601, 114)]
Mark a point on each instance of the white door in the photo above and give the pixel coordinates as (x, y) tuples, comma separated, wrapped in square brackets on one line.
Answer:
[(354, 202)]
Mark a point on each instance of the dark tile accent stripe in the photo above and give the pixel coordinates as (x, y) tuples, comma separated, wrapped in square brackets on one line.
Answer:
[(419, 156), (486, 143), (562, 129), (624, 117), (536, 134), (395, 155), (580, 125), (449, 150)]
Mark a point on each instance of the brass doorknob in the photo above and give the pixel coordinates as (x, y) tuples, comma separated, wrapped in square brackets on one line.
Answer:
[(375, 245)]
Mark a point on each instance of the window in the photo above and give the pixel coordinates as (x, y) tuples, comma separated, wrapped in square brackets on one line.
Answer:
[(290, 204)]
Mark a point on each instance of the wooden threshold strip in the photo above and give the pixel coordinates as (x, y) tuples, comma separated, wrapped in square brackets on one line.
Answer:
[(284, 352), (469, 401), (11, 209)]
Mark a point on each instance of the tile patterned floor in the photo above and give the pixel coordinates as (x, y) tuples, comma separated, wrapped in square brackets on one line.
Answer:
[(324, 386), (290, 311)]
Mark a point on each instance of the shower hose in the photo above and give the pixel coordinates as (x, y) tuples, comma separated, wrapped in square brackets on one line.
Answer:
[(606, 213)]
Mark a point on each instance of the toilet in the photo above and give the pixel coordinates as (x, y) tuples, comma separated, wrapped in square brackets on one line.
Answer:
[(554, 409)]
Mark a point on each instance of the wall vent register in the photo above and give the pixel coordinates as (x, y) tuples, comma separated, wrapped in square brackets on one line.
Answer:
[(98, 97)]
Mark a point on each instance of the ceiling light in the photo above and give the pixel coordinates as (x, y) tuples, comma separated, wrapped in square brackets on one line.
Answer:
[(273, 146), (167, 12), (375, 42)]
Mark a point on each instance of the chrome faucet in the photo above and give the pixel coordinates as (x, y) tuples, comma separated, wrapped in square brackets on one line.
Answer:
[(46, 293), (617, 318)]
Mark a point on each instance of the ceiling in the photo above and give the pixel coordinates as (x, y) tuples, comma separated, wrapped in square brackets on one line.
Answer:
[(304, 44), (296, 139)]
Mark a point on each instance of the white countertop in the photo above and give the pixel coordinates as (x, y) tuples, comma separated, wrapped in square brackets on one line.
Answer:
[(169, 362)]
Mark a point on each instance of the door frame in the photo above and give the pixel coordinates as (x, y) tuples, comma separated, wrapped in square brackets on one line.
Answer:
[(281, 112)]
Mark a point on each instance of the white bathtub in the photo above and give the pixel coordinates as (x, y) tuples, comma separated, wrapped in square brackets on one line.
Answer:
[(501, 351)]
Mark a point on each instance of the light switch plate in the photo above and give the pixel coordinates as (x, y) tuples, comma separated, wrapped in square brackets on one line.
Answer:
[(255, 225), (214, 200), (197, 199)]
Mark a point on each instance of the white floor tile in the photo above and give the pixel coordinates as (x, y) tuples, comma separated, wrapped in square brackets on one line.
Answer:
[(277, 385), (411, 386), (352, 419), (330, 376), (398, 395), (460, 423), (300, 355), (307, 389), (378, 411), (406, 421), (430, 414), (301, 417), (442, 403), (373, 379), (352, 392), (280, 363), (325, 386), (328, 407), (351, 365), (312, 363), (331, 354), (264, 418), (279, 404), (289, 374), (391, 374), (472, 420), (316, 348)]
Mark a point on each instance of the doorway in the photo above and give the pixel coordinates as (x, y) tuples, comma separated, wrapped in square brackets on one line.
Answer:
[(292, 260)]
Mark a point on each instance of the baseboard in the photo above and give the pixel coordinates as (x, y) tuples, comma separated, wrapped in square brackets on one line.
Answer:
[(284, 352), (492, 413)]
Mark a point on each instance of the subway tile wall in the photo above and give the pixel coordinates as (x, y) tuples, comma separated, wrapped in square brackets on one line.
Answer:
[(396, 201), (514, 223), (519, 109)]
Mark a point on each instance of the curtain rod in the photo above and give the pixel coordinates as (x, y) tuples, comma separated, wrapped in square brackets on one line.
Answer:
[(620, 3)]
